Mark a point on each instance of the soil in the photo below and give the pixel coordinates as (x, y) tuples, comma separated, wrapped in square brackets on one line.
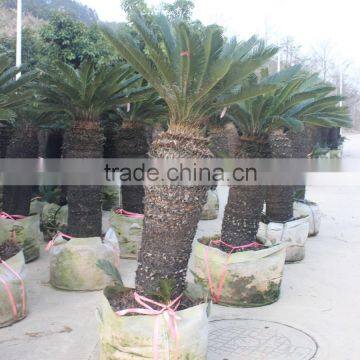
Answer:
[(8, 249), (206, 241), (123, 298)]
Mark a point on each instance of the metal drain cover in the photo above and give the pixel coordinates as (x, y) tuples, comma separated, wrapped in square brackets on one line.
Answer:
[(245, 339)]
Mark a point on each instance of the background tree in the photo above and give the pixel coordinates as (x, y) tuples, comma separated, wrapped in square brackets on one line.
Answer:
[(179, 10), (71, 41)]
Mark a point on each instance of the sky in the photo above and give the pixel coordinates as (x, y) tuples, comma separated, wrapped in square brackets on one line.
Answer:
[(311, 23)]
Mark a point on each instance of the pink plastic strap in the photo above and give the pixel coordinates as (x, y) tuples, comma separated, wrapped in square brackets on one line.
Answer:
[(5, 215), (185, 53), (169, 312), (128, 107), (216, 295), (36, 198), (7, 288), (50, 244), (129, 214), (10, 297)]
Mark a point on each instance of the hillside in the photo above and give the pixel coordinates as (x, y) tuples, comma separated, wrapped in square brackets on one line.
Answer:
[(43, 9), (8, 22)]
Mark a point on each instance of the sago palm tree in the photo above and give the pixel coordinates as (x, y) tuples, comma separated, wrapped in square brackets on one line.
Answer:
[(254, 119), (10, 99), (14, 95), (79, 98), (320, 109), (133, 141), (196, 75)]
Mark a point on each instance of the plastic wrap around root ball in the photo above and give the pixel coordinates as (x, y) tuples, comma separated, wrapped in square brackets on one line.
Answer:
[(293, 233), (211, 208), (249, 278), (28, 234), (312, 210), (129, 231), (131, 337), (12, 293), (73, 263)]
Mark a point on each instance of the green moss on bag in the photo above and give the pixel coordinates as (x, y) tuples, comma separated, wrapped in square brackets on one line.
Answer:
[(28, 234), (129, 232), (253, 278), (131, 337), (73, 263), (7, 317)]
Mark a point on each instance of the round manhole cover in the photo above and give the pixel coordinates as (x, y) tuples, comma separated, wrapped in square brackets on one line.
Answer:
[(245, 339)]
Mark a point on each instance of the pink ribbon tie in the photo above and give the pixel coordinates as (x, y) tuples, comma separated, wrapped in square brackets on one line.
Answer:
[(216, 295), (10, 294), (4, 215), (169, 312), (129, 214), (50, 244)]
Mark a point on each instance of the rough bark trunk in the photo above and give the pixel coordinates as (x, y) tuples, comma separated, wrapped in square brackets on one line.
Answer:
[(54, 143), (6, 133), (299, 144), (24, 144), (84, 140), (172, 214), (133, 142), (334, 138), (280, 199), (245, 204)]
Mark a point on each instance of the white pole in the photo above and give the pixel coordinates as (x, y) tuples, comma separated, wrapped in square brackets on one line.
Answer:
[(18, 36)]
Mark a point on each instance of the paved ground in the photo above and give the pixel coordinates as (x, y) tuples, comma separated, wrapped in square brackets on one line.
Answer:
[(320, 296)]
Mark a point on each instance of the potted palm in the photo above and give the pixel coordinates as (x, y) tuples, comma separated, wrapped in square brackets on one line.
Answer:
[(319, 109), (196, 74), (23, 144), (79, 98), (139, 122), (253, 273)]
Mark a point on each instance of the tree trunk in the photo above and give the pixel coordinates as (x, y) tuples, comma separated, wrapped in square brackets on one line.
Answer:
[(24, 144), (6, 132), (280, 199), (245, 204), (84, 140), (299, 144), (54, 143), (172, 214), (133, 142), (334, 138)]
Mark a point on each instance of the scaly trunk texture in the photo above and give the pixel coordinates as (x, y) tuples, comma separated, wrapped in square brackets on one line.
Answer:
[(299, 144), (24, 144), (245, 204), (172, 214), (324, 136), (54, 143), (6, 132), (280, 199), (133, 142), (334, 138), (84, 140)]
